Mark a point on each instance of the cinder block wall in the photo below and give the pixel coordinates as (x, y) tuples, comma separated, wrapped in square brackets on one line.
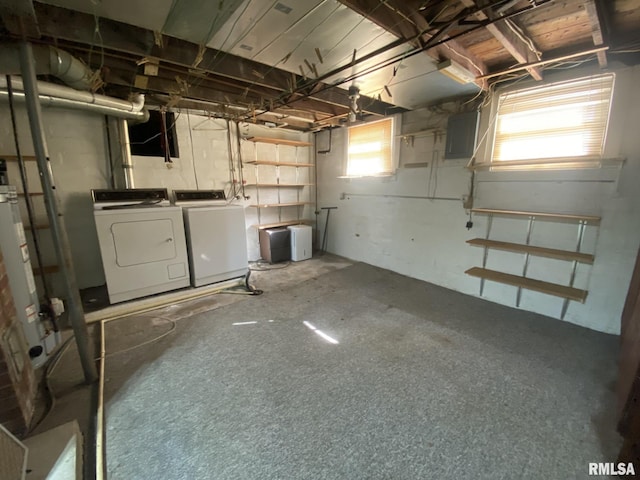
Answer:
[(17, 378)]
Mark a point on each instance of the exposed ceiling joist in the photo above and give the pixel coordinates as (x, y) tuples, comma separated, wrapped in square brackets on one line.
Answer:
[(20, 16), (62, 24), (404, 21), (595, 11), (518, 46)]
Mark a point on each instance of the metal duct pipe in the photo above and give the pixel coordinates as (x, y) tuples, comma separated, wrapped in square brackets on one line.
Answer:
[(52, 95), (48, 61)]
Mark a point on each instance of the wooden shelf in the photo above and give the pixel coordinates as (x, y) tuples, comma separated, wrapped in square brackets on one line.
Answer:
[(530, 284), (288, 204), (532, 250), (593, 220), (278, 164), (294, 185), (279, 141), (31, 194), (283, 224)]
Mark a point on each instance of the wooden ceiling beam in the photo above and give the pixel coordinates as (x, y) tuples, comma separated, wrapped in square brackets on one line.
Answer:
[(403, 19), (62, 24), (513, 43), (595, 12)]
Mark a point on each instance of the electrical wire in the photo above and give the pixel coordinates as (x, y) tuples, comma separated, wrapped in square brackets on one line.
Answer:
[(50, 367), (158, 134), (171, 329), (262, 268)]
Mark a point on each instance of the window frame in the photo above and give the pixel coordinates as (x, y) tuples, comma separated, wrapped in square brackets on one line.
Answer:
[(395, 126), (558, 163)]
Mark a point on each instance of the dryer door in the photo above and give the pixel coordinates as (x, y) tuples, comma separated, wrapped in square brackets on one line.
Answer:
[(142, 242)]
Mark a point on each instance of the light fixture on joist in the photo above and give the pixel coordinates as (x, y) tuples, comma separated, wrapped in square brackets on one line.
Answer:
[(456, 72)]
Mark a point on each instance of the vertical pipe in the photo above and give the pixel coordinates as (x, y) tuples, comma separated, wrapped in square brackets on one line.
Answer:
[(486, 251), (127, 161), (58, 233), (574, 266), (525, 267)]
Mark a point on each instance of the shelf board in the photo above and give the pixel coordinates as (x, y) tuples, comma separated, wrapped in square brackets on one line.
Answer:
[(31, 194), (532, 250), (591, 219), (279, 141), (278, 164), (263, 226), (300, 185), (288, 204), (530, 284)]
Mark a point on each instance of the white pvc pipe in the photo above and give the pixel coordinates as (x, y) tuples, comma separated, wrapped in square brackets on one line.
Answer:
[(59, 96)]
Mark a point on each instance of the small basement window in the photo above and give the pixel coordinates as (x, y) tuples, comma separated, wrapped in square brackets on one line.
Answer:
[(150, 138), (557, 123), (370, 149)]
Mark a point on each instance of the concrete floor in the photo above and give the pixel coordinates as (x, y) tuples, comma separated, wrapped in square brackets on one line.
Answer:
[(424, 382)]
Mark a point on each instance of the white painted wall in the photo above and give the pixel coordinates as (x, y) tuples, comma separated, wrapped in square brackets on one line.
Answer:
[(204, 164), (79, 161), (78, 150), (376, 221)]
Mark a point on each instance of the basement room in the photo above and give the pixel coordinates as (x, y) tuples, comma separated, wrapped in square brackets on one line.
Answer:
[(319, 239)]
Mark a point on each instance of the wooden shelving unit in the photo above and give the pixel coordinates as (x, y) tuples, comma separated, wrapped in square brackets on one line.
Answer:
[(284, 200), (529, 283), (568, 292), (264, 226), (278, 205), (279, 141), (533, 250), (282, 185), (278, 164)]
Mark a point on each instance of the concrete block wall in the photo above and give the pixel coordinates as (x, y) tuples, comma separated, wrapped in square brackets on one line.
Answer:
[(80, 161), (414, 222), (17, 379), (204, 164)]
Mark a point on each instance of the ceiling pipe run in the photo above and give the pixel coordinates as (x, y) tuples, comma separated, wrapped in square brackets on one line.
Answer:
[(48, 61), (59, 96)]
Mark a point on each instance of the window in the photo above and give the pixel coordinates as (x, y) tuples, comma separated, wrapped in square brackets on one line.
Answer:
[(560, 122), (369, 151), (149, 138)]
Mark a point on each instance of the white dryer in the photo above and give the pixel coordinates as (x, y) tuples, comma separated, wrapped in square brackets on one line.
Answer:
[(216, 236), (142, 242)]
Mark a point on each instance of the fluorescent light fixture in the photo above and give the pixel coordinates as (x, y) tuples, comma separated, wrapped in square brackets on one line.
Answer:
[(456, 72)]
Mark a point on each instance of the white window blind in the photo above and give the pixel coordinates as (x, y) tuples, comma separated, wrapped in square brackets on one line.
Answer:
[(370, 146), (557, 121)]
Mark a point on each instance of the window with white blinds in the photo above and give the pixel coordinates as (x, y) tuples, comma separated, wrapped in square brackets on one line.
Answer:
[(370, 147), (559, 121)]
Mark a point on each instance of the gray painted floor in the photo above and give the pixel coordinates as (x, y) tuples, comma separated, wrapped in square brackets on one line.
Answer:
[(424, 383)]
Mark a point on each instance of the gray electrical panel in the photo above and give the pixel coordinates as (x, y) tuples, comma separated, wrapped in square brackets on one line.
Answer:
[(462, 129)]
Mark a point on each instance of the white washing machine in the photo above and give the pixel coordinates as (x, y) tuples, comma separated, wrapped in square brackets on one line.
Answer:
[(216, 236), (142, 242)]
